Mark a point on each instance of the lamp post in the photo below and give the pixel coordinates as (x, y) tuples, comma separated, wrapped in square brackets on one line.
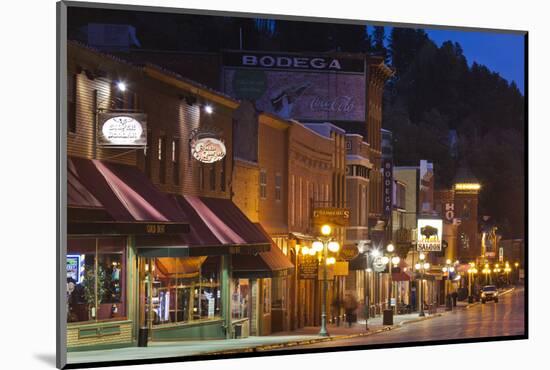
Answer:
[(421, 266), (471, 271), (486, 270), (507, 270), (447, 269), (322, 246), (391, 260), (517, 271)]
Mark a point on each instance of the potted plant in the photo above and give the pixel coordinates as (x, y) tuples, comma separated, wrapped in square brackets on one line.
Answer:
[(89, 290)]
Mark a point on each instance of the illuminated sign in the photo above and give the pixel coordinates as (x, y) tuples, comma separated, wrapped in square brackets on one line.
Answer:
[(73, 268), (331, 215), (429, 234), (207, 149), (122, 130), (467, 187), (387, 168)]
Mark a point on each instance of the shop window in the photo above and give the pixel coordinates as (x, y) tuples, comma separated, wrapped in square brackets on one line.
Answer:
[(263, 184), (240, 299), (266, 295), (95, 279), (185, 289), (278, 292)]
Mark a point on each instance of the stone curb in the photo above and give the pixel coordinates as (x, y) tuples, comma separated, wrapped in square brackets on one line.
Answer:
[(319, 340), (337, 337)]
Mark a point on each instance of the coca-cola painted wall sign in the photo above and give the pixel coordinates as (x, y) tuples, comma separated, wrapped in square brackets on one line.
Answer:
[(207, 149), (298, 86)]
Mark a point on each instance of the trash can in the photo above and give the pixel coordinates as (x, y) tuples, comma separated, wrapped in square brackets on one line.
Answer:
[(238, 331), (143, 336), (387, 318)]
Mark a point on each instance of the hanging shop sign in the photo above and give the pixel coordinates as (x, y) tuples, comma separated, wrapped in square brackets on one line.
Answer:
[(378, 264), (122, 129), (207, 147), (308, 268), (349, 252), (331, 215), (429, 234)]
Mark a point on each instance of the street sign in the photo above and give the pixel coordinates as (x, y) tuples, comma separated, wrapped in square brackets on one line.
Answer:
[(331, 215), (308, 268)]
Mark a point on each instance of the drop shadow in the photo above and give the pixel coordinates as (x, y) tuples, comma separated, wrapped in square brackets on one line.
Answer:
[(47, 358)]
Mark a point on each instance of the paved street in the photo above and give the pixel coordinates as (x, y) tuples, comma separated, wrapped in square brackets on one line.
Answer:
[(501, 319)]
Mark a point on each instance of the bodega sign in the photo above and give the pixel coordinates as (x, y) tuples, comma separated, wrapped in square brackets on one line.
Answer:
[(122, 129), (293, 61), (429, 234), (207, 148)]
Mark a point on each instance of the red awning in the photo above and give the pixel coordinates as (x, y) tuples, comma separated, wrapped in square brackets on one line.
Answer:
[(217, 226), (265, 264), (124, 193), (404, 273)]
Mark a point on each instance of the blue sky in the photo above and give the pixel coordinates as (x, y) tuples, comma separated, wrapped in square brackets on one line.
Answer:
[(500, 52)]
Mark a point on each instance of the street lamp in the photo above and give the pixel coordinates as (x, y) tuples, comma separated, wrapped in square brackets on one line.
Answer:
[(507, 270), (471, 271), (421, 266), (447, 269), (486, 270), (325, 244), (391, 260)]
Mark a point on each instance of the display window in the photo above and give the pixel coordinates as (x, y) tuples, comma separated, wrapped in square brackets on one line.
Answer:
[(183, 290), (95, 279), (240, 299)]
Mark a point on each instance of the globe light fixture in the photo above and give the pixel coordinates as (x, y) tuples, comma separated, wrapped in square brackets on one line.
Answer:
[(208, 109), (375, 253), (385, 260), (395, 260), (305, 251), (448, 262), (426, 266), (444, 269), (317, 246), (312, 252), (333, 246), (390, 248), (421, 256), (326, 230), (417, 266)]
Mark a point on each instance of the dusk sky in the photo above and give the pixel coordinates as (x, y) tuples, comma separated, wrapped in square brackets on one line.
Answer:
[(500, 52)]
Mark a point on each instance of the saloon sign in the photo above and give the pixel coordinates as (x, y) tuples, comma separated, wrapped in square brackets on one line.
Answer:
[(122, 129), (429, 235), (206, 148)]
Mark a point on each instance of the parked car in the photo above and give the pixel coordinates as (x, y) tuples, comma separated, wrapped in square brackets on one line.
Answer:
[(489, 293)]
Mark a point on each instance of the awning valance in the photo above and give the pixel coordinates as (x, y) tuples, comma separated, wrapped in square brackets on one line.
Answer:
[(217, 227), (272, 263)]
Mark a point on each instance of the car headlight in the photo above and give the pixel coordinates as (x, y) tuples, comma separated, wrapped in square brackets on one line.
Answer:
[(483, 294)]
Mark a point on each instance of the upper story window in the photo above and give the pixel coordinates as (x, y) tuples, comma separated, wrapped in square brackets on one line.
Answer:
[(278, 182), (263, 184), (175, 161)]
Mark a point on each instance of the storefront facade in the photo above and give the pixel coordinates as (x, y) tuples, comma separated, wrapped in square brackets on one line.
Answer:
[(153, 234)]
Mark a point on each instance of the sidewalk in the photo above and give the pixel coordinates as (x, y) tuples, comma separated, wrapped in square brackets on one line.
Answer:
[(303, 336)]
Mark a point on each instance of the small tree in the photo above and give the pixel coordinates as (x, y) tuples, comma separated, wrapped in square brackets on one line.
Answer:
[(89, 288)]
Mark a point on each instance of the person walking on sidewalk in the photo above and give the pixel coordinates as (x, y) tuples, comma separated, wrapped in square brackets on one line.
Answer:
[(350, 305)]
